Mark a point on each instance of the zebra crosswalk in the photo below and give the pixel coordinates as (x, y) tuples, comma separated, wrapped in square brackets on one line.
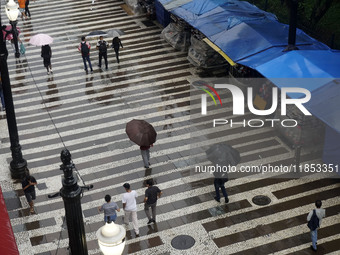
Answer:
[(87, 114)]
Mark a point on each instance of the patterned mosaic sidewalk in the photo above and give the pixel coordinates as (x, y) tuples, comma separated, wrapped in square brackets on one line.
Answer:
[(87, 114)]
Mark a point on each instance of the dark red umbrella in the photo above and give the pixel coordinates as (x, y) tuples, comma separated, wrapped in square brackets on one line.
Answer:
[(141, 132)]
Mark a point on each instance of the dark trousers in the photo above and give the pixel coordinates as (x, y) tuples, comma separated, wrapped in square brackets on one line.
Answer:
[(27, 11), (87, 58), (117, 53), (220, 185), (103, 54), (153, 210)]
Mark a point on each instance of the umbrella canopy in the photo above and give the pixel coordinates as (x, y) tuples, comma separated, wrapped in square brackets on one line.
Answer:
[(114, 33), (7, 31), (41, 39), (141, 132), (223, 155), (96, 33)]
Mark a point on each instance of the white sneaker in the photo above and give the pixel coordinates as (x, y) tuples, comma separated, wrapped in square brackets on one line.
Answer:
[(48, 72), (51, 70)]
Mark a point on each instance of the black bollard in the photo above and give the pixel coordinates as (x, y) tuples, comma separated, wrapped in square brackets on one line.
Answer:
[(71, 192)]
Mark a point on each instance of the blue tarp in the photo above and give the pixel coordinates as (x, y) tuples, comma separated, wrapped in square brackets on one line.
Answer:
[(309, 69), (326, 104), (331, 150)]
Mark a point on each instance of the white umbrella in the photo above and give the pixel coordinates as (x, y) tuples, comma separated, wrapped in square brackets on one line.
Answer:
[(41, 39), (114, 33)]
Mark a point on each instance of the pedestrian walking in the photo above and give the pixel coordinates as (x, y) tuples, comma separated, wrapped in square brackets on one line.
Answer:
[(150, 200), (84, 48), (130, 207), (116, 43), (314, 219), (102, 46), (219, 183), (28, 184), (2, 98), (145, 151), (46, 54), (109, 209), (27, 11), (22, 6)]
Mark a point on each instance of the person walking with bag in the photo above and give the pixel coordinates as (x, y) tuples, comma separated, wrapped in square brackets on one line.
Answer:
[(84, 48), (314, 219), (46, 54), (130, 207), (150, 200), (116, 43), (102, 46)]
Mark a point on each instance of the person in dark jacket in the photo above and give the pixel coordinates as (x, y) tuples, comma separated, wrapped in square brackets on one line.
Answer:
[(116, 43), (219, 182), (28, 184), (46, 54)]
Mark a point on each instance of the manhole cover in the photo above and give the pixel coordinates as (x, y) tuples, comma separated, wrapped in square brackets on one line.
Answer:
[(261, 200), (182, 242)]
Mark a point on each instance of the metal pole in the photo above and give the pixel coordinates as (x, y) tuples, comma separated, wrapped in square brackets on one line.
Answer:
[(292, 26), (15, 37), (18, 163), (71, 192)]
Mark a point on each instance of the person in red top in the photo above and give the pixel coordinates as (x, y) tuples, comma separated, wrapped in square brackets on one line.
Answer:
[(145, 151), (84, 48), (22, 5)]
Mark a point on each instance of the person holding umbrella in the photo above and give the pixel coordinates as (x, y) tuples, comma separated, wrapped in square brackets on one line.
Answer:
[(224, 155), (143, 134), (145, 151), (102, 46), (116, 43), (46, 54)]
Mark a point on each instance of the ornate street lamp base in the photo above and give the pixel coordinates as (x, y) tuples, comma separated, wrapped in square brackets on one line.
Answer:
[(18, 169)]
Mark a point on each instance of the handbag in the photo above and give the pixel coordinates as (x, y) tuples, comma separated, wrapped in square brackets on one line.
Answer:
[(22, 49)]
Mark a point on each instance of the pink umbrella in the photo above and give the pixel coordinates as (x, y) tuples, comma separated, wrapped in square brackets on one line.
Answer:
[(7, 31), (41, 39)]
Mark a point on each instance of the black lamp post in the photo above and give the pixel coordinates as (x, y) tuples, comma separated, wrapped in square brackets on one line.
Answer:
[(292, 26), (18, 163), (71, 192), (12, 13)]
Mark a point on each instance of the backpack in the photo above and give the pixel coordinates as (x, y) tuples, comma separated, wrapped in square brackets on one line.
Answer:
[(222, 176), (102, 47), (313, 223), (84, 49)]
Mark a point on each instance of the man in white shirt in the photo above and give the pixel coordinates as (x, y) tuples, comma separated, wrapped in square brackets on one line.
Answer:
[(320, 213), (130, 207)]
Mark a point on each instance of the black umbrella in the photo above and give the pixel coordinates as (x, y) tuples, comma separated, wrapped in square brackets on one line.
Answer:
[(223, 155), (141, 132), (96, 33)]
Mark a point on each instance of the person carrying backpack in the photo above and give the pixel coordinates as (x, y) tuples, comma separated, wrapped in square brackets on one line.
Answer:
[(84, 48), (314, 219), (102, 47)]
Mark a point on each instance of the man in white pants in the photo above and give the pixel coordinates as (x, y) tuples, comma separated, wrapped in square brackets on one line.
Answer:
[(130, 207)]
